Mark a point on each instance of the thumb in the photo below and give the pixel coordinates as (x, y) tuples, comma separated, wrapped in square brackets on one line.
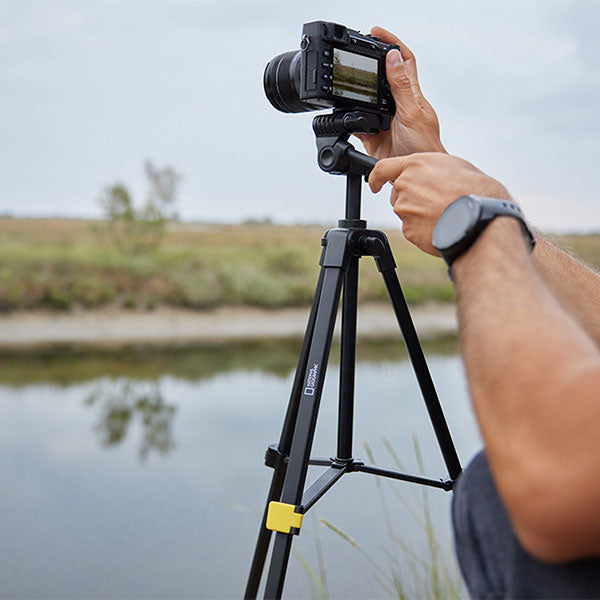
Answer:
[(398, 78)]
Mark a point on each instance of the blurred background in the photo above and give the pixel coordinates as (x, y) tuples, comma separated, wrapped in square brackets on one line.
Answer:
[(92, 89), (160, 229)]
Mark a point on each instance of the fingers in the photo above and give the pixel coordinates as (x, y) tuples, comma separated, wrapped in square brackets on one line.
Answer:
[(389, 38), (387, 170), (397, 76), (409, 58), (404, 90)]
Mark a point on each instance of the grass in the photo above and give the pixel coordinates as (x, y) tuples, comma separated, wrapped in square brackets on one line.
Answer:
[(403, 569), (61, 264)]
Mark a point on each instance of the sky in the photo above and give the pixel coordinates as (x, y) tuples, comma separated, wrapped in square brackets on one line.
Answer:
[(91, 89)]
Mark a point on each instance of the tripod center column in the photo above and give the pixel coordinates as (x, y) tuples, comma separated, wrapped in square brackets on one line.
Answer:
[(353, 191), (349, 314)]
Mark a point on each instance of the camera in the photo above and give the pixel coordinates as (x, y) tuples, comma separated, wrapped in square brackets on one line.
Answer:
[(336, 68)]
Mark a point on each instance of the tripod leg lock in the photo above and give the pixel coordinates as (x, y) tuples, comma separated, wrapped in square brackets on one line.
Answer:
[(284, 517)]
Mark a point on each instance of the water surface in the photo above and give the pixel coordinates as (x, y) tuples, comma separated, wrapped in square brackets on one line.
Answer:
[(141, 474)]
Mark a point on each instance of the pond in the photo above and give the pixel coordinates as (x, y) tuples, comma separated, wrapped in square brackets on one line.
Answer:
[(141, 474)]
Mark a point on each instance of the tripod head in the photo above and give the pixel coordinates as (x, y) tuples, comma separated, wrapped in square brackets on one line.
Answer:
[(335, 154)]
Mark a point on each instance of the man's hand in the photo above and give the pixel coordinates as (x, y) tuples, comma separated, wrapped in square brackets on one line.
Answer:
[(424, 185), (415, 126)]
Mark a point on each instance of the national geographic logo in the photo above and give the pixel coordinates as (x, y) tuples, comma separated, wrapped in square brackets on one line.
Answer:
[(311, 380)]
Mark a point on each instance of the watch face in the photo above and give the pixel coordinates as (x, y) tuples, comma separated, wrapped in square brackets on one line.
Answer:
[(455, 222)]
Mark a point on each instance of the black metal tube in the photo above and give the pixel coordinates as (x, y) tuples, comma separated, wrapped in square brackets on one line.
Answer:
[(285, 443), (287, 431), (309, 405), (347, 361), (320, 486), (264, 537), (421, 369), (278, 567), (353, 189), (444, 485), (307, 418)]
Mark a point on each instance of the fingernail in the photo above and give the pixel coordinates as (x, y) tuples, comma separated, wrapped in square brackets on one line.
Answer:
[(394, 58)]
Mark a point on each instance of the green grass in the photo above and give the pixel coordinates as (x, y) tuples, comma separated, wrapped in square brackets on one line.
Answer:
[(61, 264), (404, 566)]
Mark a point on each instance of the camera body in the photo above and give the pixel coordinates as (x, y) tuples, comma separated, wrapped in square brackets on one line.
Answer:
[(336, 68), (340, 67)]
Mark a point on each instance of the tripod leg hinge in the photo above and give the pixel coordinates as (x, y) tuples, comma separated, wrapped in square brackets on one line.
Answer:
[(284, 517)]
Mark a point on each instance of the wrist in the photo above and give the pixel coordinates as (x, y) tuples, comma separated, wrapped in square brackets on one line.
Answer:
[(501, 242), (463, 222)]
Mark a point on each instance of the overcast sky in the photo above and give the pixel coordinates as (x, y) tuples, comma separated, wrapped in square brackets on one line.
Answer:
[(89, 90)]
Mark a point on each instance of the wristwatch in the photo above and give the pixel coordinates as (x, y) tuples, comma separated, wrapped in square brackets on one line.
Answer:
[(461, 223)]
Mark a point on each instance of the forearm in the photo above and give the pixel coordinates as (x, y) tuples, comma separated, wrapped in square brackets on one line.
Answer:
[(533, 369), (524, 355), (574, 284)]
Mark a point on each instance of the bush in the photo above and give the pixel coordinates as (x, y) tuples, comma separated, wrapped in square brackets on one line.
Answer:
[(92, 290), (139, 230), (200, 288)]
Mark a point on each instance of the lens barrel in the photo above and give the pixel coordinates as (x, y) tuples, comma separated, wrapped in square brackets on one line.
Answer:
[(282, 81)]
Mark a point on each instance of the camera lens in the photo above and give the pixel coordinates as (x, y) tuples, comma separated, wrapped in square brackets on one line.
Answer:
[(282, 81)]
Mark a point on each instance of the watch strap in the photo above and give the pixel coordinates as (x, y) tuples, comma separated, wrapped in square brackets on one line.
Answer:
[(490, 209), (494, 207)]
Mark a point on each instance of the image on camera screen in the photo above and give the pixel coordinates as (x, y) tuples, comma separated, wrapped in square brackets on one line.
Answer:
[(354, 76)]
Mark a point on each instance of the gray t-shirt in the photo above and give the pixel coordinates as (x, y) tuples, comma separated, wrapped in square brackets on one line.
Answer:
[(491, 559)]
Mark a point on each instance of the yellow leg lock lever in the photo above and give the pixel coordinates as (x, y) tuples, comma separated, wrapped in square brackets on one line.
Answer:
[(284, 518)]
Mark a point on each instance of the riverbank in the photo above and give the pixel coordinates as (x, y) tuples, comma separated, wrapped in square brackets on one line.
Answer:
[(67, 283), (113, 328)]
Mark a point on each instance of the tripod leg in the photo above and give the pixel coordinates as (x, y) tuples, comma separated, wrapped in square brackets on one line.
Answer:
[(285, 442), (347, 361), (421, 369), (306, 422)]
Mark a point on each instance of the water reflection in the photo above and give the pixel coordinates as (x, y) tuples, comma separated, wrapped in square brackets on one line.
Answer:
[(66, 366), (122, 404), (127, 388), (127, 384)]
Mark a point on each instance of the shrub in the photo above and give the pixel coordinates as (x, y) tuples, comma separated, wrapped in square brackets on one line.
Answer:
[(139, 230)]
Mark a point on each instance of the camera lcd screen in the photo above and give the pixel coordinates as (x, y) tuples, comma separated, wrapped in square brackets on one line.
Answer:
[(354, 76)]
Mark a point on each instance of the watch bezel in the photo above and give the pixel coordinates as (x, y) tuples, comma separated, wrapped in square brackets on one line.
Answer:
[(462, 236)]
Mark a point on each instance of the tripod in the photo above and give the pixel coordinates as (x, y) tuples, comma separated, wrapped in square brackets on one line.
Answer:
[(342, 248)]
